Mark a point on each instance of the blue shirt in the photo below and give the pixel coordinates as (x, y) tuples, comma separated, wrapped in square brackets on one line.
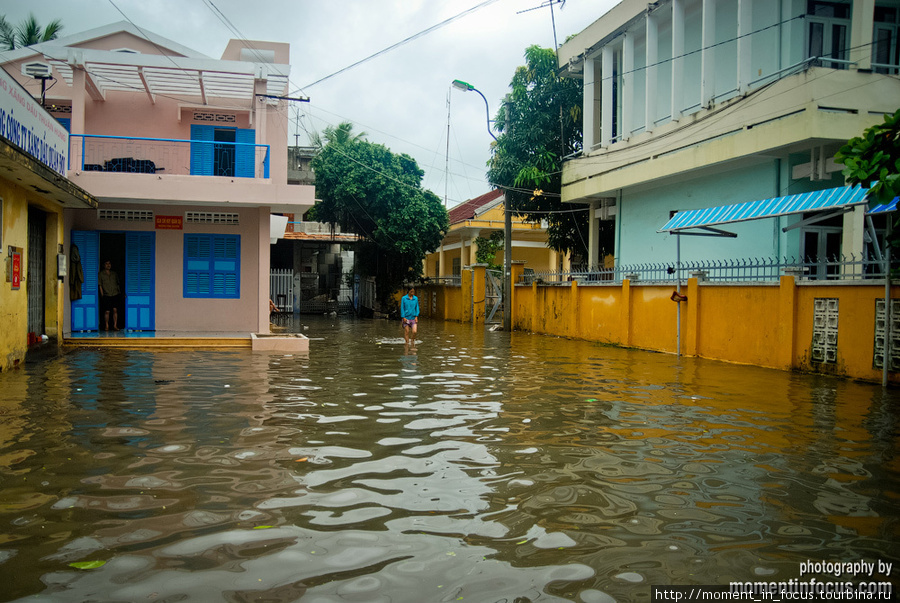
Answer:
[(409, 308)]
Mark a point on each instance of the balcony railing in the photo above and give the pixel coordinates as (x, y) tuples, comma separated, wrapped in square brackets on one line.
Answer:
[(170, 156)]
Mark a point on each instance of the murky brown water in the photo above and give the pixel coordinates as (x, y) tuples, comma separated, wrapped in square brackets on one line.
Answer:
[(471, 469)]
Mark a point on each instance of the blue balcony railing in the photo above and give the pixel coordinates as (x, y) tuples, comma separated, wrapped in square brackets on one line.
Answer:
[(170, 156)]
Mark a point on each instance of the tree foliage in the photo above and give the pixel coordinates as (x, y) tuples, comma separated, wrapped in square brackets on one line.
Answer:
[(540, 124), (367, 189), (27, 33), (488, 248), (873, 159)]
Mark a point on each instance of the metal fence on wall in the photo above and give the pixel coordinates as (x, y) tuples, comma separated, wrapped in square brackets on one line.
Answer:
[(739, 270)]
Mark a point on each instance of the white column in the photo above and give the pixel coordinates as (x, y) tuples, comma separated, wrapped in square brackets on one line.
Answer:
[(707, 54), (628, 100), (589, 106), (744, 27), (652, 57), (441, 262), (862, 21), (606, 95), (593, 235), (677, 58)]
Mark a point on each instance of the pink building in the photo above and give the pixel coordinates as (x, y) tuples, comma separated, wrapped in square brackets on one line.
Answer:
[(187, 156)]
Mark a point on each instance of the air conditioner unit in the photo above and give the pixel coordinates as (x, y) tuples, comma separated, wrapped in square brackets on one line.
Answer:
[(38, 71)]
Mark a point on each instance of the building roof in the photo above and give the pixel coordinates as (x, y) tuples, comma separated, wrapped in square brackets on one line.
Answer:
[(471, 208), (176, 71)]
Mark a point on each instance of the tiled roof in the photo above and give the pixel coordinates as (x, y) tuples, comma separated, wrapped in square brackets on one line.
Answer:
[(468, 209), (324, 237)]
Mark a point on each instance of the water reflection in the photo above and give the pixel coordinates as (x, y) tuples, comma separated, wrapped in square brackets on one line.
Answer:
[(468, 466)]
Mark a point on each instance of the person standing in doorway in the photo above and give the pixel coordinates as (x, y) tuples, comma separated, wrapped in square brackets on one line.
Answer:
[(409, 315), (109, 295)]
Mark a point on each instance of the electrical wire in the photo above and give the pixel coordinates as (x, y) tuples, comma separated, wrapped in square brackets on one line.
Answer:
[(399, 44)]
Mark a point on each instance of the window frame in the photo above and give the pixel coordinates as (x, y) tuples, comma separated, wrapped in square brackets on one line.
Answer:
[(218, 267)]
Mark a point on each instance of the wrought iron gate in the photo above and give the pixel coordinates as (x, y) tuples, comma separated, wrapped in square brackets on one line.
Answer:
[(493, 295)]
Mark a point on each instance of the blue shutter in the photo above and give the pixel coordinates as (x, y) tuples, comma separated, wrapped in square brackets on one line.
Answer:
[(202, 153), (139, 281), (212, 266), (244, 163), (86, 311), (66, 122)]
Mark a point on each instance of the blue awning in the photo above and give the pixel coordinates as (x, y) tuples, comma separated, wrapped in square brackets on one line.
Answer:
[(831, 198), (884, 207)]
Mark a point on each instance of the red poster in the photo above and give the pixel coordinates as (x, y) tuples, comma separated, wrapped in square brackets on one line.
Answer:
[(168, 222), (16, 270)]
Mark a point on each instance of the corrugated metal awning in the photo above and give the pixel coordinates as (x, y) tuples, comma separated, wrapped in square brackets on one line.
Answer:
[(816, 201), (884, 207)]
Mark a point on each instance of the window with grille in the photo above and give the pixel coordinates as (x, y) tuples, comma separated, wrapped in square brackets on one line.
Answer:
[(212, 266)]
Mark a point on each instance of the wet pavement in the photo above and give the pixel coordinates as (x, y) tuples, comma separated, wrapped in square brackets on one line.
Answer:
[(475, 466)]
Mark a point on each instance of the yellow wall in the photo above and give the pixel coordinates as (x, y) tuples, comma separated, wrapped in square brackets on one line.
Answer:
[(14, 303), (769, 325)]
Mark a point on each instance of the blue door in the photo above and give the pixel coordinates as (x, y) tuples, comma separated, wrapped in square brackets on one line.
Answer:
[(86, 311), (140, 312)]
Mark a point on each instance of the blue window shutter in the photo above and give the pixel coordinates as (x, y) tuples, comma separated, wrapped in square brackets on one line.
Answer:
[(65, 122), (139, 281), (202, 154), (212, 266), (245, 162), (85, 311)]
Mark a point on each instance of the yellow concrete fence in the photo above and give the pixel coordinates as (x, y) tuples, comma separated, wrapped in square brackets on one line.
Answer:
[(831, 328)]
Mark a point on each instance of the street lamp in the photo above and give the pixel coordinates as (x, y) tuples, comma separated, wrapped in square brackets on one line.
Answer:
[(507, 224), (466, 87)]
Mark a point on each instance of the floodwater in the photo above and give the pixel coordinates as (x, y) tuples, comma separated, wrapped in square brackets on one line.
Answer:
[(477, 467)]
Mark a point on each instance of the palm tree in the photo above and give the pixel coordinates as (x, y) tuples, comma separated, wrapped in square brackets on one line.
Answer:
[(27, 33), (339, 134), (7, 35)]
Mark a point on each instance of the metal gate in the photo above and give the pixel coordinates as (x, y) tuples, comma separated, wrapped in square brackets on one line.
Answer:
[(34, 284), (281, 288), (493, 295)]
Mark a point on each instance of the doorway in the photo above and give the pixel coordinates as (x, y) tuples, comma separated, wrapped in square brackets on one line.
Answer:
[(112, 247)]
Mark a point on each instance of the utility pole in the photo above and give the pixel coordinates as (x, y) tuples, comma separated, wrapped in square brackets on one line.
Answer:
[(507, 240)]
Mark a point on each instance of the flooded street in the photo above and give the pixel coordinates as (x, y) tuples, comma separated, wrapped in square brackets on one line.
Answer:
[(477, 467)]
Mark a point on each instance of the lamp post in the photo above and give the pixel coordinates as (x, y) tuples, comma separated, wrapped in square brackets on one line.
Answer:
[(466, 87), (507, 223)]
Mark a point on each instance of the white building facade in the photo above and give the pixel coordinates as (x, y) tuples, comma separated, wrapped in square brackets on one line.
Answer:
[(702, 103)]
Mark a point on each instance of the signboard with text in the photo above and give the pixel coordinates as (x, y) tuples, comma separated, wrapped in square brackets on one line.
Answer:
[(16, 269), (168, 222), (26, 124)]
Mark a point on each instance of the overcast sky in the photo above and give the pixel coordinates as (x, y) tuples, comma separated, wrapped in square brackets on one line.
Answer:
[(398, 98)]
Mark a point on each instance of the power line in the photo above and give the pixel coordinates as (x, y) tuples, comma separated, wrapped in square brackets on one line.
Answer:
[(401, 42)]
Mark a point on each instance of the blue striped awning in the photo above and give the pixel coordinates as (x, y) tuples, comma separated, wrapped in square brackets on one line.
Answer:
[(884, 207), (831, 198)]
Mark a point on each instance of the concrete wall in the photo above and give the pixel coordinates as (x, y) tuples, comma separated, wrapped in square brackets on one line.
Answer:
[(177, 313), (14, 303), (768, 325)]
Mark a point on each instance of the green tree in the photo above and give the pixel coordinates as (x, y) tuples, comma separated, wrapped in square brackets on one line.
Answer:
[(341, 133), (488, 248), (367, 189), (28, 32), (540, 124), (873, 159)]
